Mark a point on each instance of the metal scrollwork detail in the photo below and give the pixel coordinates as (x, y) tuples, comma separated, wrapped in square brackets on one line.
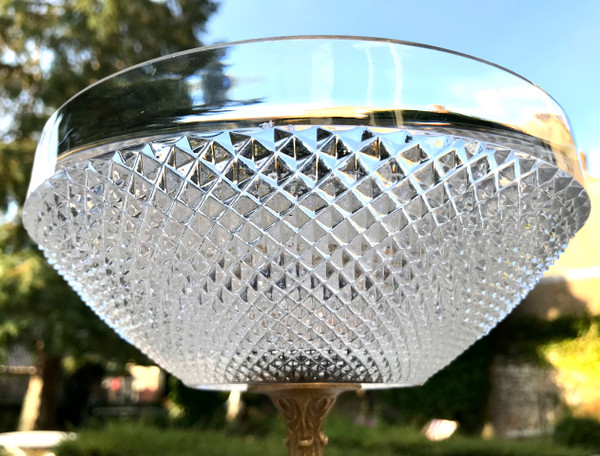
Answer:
[(305, 410), (305, 417)]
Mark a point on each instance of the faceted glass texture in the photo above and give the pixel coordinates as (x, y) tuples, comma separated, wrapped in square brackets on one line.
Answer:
[(305, 253)]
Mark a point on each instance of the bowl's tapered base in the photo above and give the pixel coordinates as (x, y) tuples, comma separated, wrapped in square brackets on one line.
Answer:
[(305, 408)]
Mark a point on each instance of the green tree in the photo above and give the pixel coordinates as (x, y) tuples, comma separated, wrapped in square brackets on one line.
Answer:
[(50, 50)]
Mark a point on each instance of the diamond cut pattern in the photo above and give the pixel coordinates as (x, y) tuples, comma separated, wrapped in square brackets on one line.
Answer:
[(293, 254)]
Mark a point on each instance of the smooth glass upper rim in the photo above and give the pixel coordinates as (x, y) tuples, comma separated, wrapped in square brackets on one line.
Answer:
[(304, 37), (317, 80)]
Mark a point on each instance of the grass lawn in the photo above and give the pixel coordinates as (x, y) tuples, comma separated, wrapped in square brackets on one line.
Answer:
[(346, 439)]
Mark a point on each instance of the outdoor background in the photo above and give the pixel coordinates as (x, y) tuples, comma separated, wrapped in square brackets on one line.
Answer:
[(535, 378)]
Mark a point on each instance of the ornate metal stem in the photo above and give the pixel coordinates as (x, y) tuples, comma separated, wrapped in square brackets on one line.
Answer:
[(305, 408)]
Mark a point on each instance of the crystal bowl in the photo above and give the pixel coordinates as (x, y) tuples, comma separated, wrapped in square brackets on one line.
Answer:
[(310, 209)]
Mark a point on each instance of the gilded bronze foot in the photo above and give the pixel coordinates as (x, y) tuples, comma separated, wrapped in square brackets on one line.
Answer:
[(305, 408)]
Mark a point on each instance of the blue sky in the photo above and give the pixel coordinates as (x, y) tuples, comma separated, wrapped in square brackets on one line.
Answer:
[(555, 44)]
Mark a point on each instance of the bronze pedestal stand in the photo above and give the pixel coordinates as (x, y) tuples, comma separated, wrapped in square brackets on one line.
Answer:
[(305, 407)]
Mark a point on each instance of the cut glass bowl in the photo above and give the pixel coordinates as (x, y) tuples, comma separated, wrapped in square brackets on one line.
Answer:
[(306, 210)]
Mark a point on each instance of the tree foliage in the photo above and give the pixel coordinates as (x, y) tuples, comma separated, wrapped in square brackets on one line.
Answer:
[(577, 365), (50, 50)]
